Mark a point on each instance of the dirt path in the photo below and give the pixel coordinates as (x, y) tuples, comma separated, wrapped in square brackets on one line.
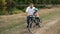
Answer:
[(12, 24), (47, 28), (54, 29)]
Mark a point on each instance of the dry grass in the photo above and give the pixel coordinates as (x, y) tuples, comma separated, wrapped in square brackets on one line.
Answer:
[(54, 29), (14, 24)]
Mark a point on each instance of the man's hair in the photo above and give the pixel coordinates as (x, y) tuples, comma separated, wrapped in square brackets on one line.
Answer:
[(31, 4)]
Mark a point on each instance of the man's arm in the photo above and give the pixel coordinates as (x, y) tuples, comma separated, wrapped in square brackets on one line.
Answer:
[(27, 12)]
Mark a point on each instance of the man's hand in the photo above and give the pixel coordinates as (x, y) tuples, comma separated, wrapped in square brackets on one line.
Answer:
[(26, 13)]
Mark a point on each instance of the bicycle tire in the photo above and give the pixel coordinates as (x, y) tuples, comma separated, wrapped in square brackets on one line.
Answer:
[(31, 26)]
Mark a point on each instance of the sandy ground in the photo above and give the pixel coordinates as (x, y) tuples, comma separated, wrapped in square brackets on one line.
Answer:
[(46, 29), (52, 27), (55, 29)]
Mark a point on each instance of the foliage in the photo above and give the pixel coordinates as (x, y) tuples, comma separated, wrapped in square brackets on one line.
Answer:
[(7, 6)]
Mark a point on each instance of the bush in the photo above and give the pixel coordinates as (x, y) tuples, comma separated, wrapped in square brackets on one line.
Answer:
[(0, 12), (16, 11), (24, 9)]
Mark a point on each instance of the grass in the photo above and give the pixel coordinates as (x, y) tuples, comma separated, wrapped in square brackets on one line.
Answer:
[(18, 24), (49, 15), (55, 29)]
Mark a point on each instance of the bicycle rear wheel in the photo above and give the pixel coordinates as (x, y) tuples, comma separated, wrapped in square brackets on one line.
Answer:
[(38, 22)]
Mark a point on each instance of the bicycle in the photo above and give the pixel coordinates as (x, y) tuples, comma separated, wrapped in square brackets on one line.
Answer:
[(33, 23)]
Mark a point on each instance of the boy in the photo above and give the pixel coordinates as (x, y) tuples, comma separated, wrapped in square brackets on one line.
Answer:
[(36, 16)]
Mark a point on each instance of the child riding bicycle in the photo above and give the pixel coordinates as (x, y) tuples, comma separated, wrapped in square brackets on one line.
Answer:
[(36, 16)]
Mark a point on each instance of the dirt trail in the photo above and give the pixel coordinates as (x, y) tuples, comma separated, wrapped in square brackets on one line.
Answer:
[(11, 20), (54, 29), (46, 28)]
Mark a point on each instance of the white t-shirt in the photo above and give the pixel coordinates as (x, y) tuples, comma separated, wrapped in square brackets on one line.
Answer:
[(30, 10)]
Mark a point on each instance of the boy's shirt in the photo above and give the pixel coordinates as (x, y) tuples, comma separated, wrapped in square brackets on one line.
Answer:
[(35, 12)]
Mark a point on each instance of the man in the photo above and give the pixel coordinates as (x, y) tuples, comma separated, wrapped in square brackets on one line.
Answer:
[(30, 11)]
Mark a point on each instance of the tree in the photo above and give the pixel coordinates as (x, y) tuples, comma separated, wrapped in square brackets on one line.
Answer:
[(3, 6)]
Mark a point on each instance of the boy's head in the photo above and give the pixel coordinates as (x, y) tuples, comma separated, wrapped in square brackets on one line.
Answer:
[(36, 9), (31, 5)]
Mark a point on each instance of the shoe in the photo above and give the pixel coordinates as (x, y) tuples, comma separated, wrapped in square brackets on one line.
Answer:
[(27, 26)]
